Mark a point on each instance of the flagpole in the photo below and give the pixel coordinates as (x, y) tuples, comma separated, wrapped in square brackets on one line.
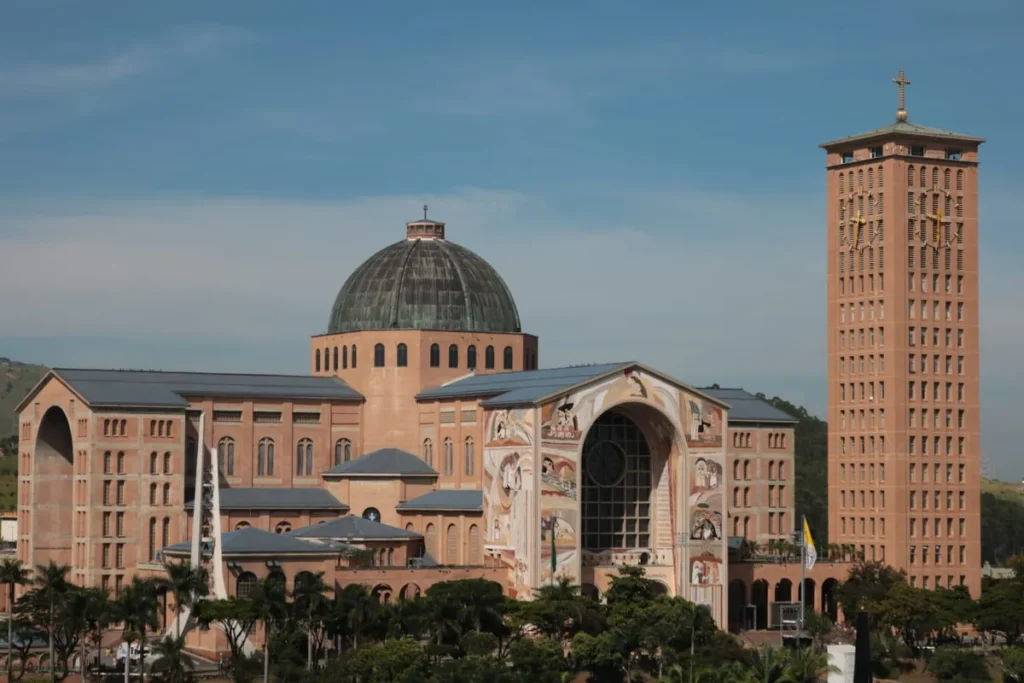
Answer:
[(803, 570)]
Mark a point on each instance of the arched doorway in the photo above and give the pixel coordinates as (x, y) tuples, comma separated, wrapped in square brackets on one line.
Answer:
[(589, 590), (784, 591), (54, 500), (737, 605), (829, 604), (410, 591), (382, 593), (759, 600)]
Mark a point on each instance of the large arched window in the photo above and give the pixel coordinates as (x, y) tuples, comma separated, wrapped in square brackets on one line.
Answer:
[(470, 456), (190, 455), (430, 540), (452, 547), (283, 528), (342, 451), (335, 357), (435, 356), (226, 456), (304, 458), (616, 485), (152, 539), (327, 359), (152, 463), (378, 355), (167, 462), (508, 357), (403, 355), (428, 452), (344, 357), (489, 358), (317, 360), (167, 494), (449, 457), (453, 356), (353, 356), (471, 357), (245, 584), (474, 546), (152, 494), (265, 458), (165, 533)]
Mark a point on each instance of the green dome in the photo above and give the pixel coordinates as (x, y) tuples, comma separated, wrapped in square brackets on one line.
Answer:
[(424, 283)]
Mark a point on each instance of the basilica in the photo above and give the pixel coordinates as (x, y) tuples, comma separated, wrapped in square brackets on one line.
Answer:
[(425, 444)]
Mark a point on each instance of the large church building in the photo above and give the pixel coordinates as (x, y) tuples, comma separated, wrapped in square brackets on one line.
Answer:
[(426, 444)]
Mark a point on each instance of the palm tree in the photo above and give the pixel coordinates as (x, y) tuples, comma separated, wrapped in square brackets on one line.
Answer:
[(136, 608), (268, 599), (310, 601), (188, 584), (51, 582), (170, 660), (769, 664), (14, 574), (97, 616), (85, 610), (806, 666)]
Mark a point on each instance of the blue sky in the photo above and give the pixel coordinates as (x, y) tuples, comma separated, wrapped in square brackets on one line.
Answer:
[(196, 180)]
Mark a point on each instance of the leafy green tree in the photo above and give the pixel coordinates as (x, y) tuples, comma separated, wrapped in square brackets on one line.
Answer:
[(188, 584), (819, 627), (82, 611), (236, 617), (559, 611), (955, 665), (805, 665), (311, 603), (539, 661), (170, 662), (866, 588), (12, 573), (269, 601), (1000, 610), (400, 660), (1013, 665), (25, 635), (352, 613)]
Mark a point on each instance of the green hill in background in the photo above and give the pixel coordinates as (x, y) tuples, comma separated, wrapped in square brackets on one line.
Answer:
[(16, 380)]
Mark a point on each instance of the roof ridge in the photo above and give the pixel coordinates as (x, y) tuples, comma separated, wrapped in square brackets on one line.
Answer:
[(199, 372)]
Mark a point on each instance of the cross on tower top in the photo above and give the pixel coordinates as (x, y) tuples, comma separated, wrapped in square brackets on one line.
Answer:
[(424, 212), (902, 82)]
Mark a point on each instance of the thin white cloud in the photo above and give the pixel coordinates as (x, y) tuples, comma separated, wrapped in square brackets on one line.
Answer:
[(199, 42)]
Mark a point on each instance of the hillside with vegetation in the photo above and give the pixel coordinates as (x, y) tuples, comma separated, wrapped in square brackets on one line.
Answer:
[(16, 380)]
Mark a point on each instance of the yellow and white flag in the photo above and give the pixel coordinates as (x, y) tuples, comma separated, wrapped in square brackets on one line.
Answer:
[(811, 555)]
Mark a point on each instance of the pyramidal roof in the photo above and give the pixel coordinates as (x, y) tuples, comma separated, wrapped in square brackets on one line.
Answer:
[(383, 462), (904, 128)]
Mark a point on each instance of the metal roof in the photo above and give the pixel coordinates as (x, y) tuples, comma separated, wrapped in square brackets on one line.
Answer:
[(745, 407), (277, 499), (446, 499), (150, 388), (252, 541), (385, 461), (424, 284), (523, 386), (904, 128), (352, 528), (530, 387)]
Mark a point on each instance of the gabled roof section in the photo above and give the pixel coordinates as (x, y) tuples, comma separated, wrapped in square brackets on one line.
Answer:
[(277, 499), (390, 462), (253, 541), (446, 500), (534, 387), (168, 390), (907, 129), (351, 528), (745, 407)]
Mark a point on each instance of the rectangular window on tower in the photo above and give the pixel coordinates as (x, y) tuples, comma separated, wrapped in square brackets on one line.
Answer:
[(953, 154)]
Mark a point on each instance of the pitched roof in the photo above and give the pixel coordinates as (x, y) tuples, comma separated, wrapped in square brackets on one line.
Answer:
[(530, 387), (277, 499), (353, 528), (252, 541), (446, 499), (745, 407), (904, 128), (158, 389), (385, 461)]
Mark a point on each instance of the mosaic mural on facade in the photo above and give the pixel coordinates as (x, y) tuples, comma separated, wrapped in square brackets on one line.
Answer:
[(509, 492), (564, 424), (704, 423)]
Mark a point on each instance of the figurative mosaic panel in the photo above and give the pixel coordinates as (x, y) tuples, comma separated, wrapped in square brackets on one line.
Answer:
[(704, 423), (509, 492)]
